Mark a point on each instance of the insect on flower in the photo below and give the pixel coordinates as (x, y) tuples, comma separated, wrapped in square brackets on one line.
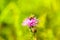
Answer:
[(30, 22)]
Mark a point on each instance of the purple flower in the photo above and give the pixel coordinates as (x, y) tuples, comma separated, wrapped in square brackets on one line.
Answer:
[(31, 22)]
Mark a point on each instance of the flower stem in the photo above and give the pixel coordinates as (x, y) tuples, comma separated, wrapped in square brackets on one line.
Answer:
[(35, 38), (34, 33)]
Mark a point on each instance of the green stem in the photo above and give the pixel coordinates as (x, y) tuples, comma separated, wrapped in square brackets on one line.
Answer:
[(35, 38)]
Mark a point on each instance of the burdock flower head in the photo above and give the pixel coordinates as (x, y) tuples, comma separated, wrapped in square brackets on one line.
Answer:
[(30, 21)]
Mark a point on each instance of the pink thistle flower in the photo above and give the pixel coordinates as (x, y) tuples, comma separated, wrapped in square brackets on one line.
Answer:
[(31, 22)]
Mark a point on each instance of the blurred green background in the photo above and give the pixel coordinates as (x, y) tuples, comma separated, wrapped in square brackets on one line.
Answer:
[(13, 12)]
